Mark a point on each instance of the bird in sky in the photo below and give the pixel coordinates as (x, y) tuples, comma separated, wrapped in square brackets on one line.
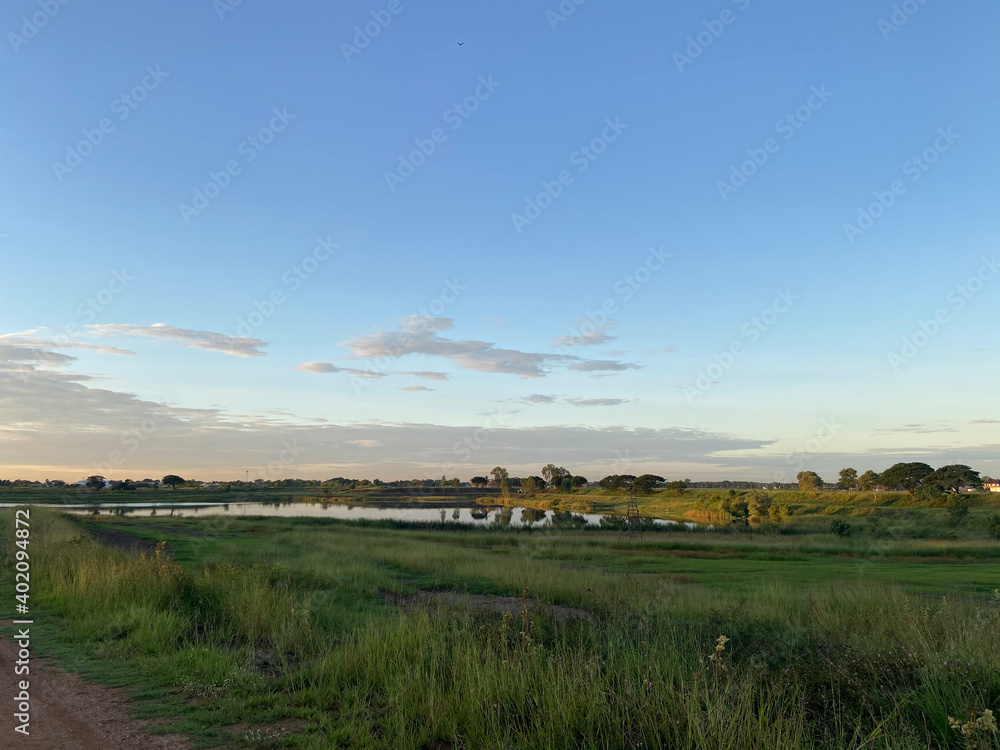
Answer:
[(461, 43)]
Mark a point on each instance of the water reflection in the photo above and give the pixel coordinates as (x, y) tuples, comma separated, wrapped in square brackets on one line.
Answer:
[(480, 516)]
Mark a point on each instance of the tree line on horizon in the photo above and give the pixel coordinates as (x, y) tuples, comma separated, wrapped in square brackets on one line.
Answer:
[(917, 478)]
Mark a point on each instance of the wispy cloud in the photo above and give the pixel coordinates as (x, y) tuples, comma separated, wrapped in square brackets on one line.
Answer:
[(420, 335), (427, 375), (539, 398), (208, 340), (415, 388), (598, 365), (365, 443), (326, 368), (915, 428), (586, 333), (665, 349), (43, 338), (596, 401)]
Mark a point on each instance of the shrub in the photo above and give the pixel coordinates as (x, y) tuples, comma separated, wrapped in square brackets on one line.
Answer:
[(841, 528), (993, 526), (877, 529), (958, 509)]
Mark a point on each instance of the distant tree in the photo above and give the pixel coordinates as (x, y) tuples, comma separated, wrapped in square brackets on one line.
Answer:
[(579, 481), (125, 485), (849, 479), (868, 481), (954, 476), (905, 475), (529, 486), (809, 481), (479, 481), (553, 474), (758, 506), (455, 483), (644, 484), (677, 488), (499, 474), (505, 487), (616, 481), (172, 480), (57, 483), (96, 482)]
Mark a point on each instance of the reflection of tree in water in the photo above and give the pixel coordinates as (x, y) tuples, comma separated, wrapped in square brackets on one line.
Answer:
[(565, 519), (612, 520), (531, 515), (442, 515), (455, 514), (479, 513), (503, 517)]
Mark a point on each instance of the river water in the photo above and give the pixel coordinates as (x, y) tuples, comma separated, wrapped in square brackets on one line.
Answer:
[(478, 516)]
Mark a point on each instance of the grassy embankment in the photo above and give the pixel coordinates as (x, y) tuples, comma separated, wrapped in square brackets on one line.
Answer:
[(834, 643)]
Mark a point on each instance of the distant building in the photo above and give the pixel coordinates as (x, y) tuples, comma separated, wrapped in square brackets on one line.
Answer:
[(991, 486)]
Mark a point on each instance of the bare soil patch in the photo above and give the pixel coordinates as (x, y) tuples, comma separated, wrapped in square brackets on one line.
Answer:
[(121, 539), (69, 713)]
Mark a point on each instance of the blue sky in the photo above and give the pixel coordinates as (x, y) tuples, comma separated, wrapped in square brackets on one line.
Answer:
[(838, 99)]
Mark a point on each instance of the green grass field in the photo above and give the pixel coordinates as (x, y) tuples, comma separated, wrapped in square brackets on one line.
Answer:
[(244, 628)]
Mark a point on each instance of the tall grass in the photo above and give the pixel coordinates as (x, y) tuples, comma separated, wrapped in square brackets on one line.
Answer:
[(840, 665)]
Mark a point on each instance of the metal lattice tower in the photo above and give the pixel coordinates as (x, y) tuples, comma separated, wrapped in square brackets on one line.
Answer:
[(633, 521)]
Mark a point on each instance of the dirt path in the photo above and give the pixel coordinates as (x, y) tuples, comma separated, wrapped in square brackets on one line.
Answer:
[(69, 713)]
